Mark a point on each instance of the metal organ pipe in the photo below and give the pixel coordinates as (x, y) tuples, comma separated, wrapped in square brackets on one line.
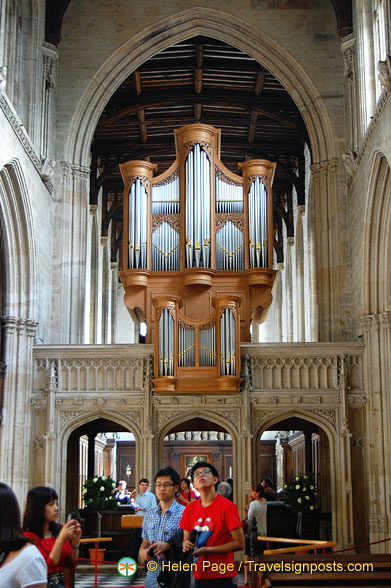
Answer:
[(186, 346), (138, 211), (227, 343), (257, 223), (207, 346), (166, 344), (197, 218), (165, 239), (229, 239)]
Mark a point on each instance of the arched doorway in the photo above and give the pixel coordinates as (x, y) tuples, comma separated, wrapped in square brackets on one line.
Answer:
[(198, 440), (296, 446), (95, 448)]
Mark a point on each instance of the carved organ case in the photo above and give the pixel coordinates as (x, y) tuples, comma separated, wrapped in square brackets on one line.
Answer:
[(197, 246)]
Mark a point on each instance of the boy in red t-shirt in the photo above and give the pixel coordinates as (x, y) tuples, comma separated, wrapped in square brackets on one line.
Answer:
[(218, 527)]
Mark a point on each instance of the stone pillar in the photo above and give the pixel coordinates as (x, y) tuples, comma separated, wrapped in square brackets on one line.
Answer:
[(48, 99), (377, 378), (279, 303), (15, 441), (69, 255), (290, 306), (329, 215), (348, 48), (50, 437)]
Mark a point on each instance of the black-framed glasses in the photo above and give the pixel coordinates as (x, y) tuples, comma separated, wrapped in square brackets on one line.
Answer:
[(199, 473), (165, 485)]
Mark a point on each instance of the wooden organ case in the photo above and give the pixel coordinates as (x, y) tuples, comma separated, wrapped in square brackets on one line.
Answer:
[(197, 260)]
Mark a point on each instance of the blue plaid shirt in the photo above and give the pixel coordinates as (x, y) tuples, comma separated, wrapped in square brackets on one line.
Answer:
[(158, 527)]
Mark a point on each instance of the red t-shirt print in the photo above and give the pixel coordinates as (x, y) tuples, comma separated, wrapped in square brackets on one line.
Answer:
[(215, 522)]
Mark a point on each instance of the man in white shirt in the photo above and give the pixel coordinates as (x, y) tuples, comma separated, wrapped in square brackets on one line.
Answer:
[(144, 500)]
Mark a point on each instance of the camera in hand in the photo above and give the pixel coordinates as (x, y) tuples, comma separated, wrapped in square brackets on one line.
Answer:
[(152, 554), (193, 535)]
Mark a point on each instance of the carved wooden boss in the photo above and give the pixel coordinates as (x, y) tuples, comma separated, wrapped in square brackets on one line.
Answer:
[(197, 245)]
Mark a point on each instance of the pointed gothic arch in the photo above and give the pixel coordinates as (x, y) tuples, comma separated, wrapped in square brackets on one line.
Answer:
[(18, 241), (216, 24), (60, 481), (376, 286)]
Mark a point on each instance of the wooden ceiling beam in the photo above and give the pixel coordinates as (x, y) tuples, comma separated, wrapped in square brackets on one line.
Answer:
[(198, 70), (259, 83), (143, 126), (216, 99), (197, 112), (253, 126), (136, 79)]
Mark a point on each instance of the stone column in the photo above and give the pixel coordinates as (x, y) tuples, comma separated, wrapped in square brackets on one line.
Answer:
[(50, 437), (329, 215), (15, 442), (290, 306), (48, 99), (377, 372), (348, 48), (69, 255)]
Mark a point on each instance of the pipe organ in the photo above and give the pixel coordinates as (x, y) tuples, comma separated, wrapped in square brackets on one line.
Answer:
[(197, 233)]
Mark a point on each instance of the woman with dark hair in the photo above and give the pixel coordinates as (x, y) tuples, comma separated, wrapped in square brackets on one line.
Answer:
[(21, 564), (58, 544), (186, 494)]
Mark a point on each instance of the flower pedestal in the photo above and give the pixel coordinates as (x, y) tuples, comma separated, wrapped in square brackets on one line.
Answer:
[(100, 556), (110, 526)]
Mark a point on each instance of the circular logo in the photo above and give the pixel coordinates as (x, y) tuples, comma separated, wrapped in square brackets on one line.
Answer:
[(126, 566)]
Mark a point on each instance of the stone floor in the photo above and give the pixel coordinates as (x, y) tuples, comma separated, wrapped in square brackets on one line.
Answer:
[(108, 577)]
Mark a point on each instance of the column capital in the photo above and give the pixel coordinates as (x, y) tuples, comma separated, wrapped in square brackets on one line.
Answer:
[(369, 322), (385, 320), (9, 323)]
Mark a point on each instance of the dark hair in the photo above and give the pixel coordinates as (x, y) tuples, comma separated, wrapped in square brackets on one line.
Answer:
[(268, 482), (170, 473), (187, 482), (259, 489), (144, 480), (204, 464), (34, 513), (11, 534)]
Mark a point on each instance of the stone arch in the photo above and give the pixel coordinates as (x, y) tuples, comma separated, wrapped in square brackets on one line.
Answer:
[(81, 419), (219, 25), (213, 417), (376, 287), (18, 238), (342, 523)]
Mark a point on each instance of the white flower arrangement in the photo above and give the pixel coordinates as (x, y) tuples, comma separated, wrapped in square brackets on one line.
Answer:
[(300, 493), (98, 493)]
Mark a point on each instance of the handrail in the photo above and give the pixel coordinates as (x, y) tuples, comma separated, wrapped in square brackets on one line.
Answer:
[(304, 545)]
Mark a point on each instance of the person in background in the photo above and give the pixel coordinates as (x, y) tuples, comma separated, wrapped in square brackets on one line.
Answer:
[(121, 494), (21, 563), (186, 494), (231, 483), (247, 534), (58, 544), (224, 489), (144, 500), (216, 521), (161, 523), (270, 494)]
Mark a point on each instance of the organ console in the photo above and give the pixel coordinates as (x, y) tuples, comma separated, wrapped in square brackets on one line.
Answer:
[(197, 245)]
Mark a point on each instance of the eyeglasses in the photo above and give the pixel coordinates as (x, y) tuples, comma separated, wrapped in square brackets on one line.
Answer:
[(165, 485), (199, 473)]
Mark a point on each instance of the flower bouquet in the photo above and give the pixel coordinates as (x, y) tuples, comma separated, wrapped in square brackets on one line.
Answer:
[(98, 493), (300, 493)]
